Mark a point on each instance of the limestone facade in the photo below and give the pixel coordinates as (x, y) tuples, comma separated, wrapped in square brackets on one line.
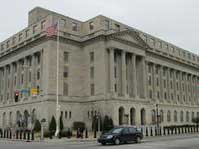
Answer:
[(105, 67)]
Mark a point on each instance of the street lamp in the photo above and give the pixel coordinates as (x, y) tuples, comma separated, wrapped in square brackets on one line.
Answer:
[(98, 116)]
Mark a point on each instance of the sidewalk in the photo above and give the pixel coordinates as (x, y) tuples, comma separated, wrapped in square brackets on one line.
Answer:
[(94, 140)]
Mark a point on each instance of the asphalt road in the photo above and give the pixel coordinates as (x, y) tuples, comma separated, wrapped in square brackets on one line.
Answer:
[(182, 143)]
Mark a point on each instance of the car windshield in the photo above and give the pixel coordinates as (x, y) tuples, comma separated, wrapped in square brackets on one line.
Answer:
[(115, 130)]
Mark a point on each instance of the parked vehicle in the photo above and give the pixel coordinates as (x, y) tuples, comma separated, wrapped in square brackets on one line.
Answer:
[(120, 135)]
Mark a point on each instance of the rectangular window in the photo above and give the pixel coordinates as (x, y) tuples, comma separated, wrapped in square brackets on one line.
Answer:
[(21, 78), (74, 26), (13, 40), (91, 57), (38, 74), (107, 24), (91, 25), (65, 72), (7, 44), (92, 86), (34, 29), (20, 36), (27, 33), (92, 72), (117, 27), (43, 25), (66, 57), (38, 59), (63, 22), (65, 89), (29, 76)]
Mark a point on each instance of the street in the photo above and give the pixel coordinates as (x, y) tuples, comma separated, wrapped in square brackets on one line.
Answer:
[(156, 143)]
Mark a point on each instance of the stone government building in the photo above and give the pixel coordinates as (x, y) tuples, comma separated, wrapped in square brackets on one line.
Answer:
[(106, 68)]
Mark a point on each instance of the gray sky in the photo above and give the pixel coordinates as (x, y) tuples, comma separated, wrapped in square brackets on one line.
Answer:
[(175, 21)]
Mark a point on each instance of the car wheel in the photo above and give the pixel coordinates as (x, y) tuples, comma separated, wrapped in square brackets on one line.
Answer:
[(103, 143), (138, 140), (117, 141)]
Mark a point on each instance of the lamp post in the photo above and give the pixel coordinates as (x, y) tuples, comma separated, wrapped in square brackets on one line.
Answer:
[(98, 116)]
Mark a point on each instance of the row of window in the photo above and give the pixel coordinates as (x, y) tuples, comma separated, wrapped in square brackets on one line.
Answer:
[(169, 48), (176, 115), (25, 34)]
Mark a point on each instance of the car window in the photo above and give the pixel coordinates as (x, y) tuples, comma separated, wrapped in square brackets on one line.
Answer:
[(125, 131), (116, 130), (132, 130)]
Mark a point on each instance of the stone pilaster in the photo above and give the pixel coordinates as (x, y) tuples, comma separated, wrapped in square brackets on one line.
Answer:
[(134, 82), (144, 77), (123, 73), (111, 71)]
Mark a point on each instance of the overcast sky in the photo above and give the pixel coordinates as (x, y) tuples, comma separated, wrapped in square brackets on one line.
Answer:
[(176, 21)]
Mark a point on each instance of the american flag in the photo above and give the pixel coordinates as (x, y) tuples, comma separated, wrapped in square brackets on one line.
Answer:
[(51, 30)]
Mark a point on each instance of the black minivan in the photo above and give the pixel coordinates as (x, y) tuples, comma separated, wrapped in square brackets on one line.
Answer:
[(120, 135)]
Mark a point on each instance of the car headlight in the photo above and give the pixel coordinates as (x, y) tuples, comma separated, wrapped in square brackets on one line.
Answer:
[(109, 136)]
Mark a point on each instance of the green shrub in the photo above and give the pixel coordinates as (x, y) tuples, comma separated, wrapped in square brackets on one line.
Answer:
[(61, 125), (37, 126), (52, 126)]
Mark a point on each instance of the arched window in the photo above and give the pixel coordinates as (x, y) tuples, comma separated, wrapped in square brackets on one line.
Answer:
[(143, 116), (175, 116), (121, 115), (132, 116), (168, 116), (197, 114), (181, 116)]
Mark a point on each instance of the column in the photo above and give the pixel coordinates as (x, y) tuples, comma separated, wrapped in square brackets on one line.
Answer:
[(33, 82), (111, 71), (144, 77), (5, 80), (154, 82), (11, 82), (41, 71), (161, 84), (123, 73), (134, 75), (186, 88), (180, 87), (174, 86), (168, 85)]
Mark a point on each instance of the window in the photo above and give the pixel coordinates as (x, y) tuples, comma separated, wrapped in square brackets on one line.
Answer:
[(29, 76), (187, 116), (115, 72), (65, 57), (13, 40), (63, 22), (153, 116), (70, 114), (91, 57), (168, 116), (65, 72), (27, 33), (7, 44), (175, 116), (74, 26), (91, 25), (34, 29), (2, 47), (107, 24), (20, 36), (150, 94), (92, 72), (149, 80), (161, 115), (165, 95), (38, 59), (65, 89), (22, 78), (43, 25), (181, 116), (117, 27), (66, 114), (38, 74), (92, 86), (115, 87), (164, 83)]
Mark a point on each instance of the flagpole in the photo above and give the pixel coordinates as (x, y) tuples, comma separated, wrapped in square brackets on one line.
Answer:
[(57, 97)]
